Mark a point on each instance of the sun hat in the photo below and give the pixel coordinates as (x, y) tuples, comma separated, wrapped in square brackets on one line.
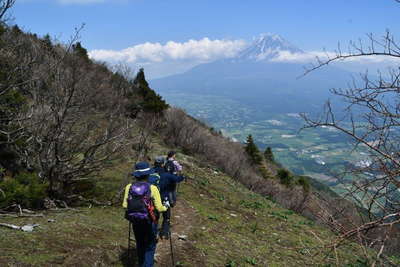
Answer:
[(142, 168)]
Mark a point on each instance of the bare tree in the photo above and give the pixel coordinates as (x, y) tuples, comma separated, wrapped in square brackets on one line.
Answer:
[(372, 120), (72, 119), (78, 121), (5, 5), (15, 75)]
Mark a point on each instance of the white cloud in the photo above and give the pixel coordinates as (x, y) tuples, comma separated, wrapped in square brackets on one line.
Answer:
[(204, 50), (176, 57), (286, 56)]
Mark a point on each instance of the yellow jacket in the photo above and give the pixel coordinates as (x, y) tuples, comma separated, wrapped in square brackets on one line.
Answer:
[(155, 195)]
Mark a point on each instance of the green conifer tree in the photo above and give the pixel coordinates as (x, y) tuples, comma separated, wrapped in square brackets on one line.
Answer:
[(47, 41), (268, 155), (80, 51), (252, 150), (152, 102), (16, 30)]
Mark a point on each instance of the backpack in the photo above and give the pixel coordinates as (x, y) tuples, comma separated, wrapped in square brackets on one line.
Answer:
[(140, 204), (170, 167), (154, 179)]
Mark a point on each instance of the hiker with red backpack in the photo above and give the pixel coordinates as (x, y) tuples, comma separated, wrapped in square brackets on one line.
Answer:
[(143, 203), (167, 186)]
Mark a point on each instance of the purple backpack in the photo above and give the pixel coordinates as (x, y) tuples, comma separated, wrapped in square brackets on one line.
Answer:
[(140, 205)]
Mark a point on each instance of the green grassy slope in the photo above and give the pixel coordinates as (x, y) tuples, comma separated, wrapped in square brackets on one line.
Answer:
[(238, 227), (225, 223)]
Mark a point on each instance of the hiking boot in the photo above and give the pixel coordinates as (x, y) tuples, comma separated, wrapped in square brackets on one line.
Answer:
[(164, 236)]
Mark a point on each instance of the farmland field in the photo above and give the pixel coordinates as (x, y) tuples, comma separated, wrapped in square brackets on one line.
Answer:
[(322, 153)]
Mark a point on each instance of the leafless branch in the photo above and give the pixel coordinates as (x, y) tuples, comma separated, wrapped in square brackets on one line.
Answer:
[(372, 120), (5, 5)]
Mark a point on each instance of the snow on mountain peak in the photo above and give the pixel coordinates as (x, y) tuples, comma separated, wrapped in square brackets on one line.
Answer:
[(267, 46)]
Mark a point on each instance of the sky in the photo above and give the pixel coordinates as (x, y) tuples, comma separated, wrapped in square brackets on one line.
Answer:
[(170, 36)]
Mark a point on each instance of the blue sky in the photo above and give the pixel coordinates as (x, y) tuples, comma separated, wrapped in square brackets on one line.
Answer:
[(114, 25)]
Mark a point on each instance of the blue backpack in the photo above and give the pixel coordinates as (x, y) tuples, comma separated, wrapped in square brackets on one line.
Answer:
[(170, 167), (154, 179), (140, 204)]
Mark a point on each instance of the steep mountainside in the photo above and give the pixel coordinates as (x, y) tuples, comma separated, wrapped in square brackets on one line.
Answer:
[(70, 132), (217, 222)]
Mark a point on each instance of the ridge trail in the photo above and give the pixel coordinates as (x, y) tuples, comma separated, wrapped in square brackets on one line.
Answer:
[(182, 222)]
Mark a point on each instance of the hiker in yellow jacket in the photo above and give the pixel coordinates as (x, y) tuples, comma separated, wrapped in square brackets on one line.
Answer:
[(140, 199)]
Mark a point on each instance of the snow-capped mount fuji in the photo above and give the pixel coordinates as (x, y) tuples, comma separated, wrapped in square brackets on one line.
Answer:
[(255, 79), (267, 46)]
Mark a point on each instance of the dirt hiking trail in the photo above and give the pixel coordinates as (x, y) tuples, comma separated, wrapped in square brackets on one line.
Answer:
[(183, 220)]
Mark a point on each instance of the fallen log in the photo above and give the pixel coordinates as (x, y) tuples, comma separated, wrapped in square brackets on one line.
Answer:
[(25, 228), (12, 226)]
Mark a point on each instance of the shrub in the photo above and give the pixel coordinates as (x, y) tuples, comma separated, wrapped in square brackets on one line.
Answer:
[(231, 263), (2, 28), (251, 204), (303, 181), (285, 177), (264, 172), (25, 189), (251, 261)]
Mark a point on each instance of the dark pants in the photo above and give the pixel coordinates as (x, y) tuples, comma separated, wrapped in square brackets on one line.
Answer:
[(165, 223), (146, 241), (172, 198)]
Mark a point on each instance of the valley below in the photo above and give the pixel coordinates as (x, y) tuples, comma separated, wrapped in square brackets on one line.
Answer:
[(323, 153)]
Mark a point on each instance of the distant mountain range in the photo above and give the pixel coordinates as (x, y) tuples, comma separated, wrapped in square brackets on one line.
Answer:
[(257, 77)]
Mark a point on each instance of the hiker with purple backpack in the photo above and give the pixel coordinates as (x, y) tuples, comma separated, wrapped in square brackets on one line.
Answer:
[(143, 203)]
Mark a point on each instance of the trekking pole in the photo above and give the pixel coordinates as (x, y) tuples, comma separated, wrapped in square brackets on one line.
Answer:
[(177, 187), (129, 242), (170, 240)]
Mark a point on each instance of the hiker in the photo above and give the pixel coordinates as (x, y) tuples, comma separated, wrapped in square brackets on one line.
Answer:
[(172, 165), (167, 185), (143, 203)]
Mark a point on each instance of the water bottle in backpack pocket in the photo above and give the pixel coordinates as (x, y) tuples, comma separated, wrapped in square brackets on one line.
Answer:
[(140, 204)]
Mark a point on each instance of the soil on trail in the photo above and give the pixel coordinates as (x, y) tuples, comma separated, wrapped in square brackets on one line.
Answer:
[(183, 220)]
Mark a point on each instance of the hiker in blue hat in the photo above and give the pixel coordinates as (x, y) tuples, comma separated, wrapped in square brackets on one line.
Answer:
[(143, 203), (167, 187)]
